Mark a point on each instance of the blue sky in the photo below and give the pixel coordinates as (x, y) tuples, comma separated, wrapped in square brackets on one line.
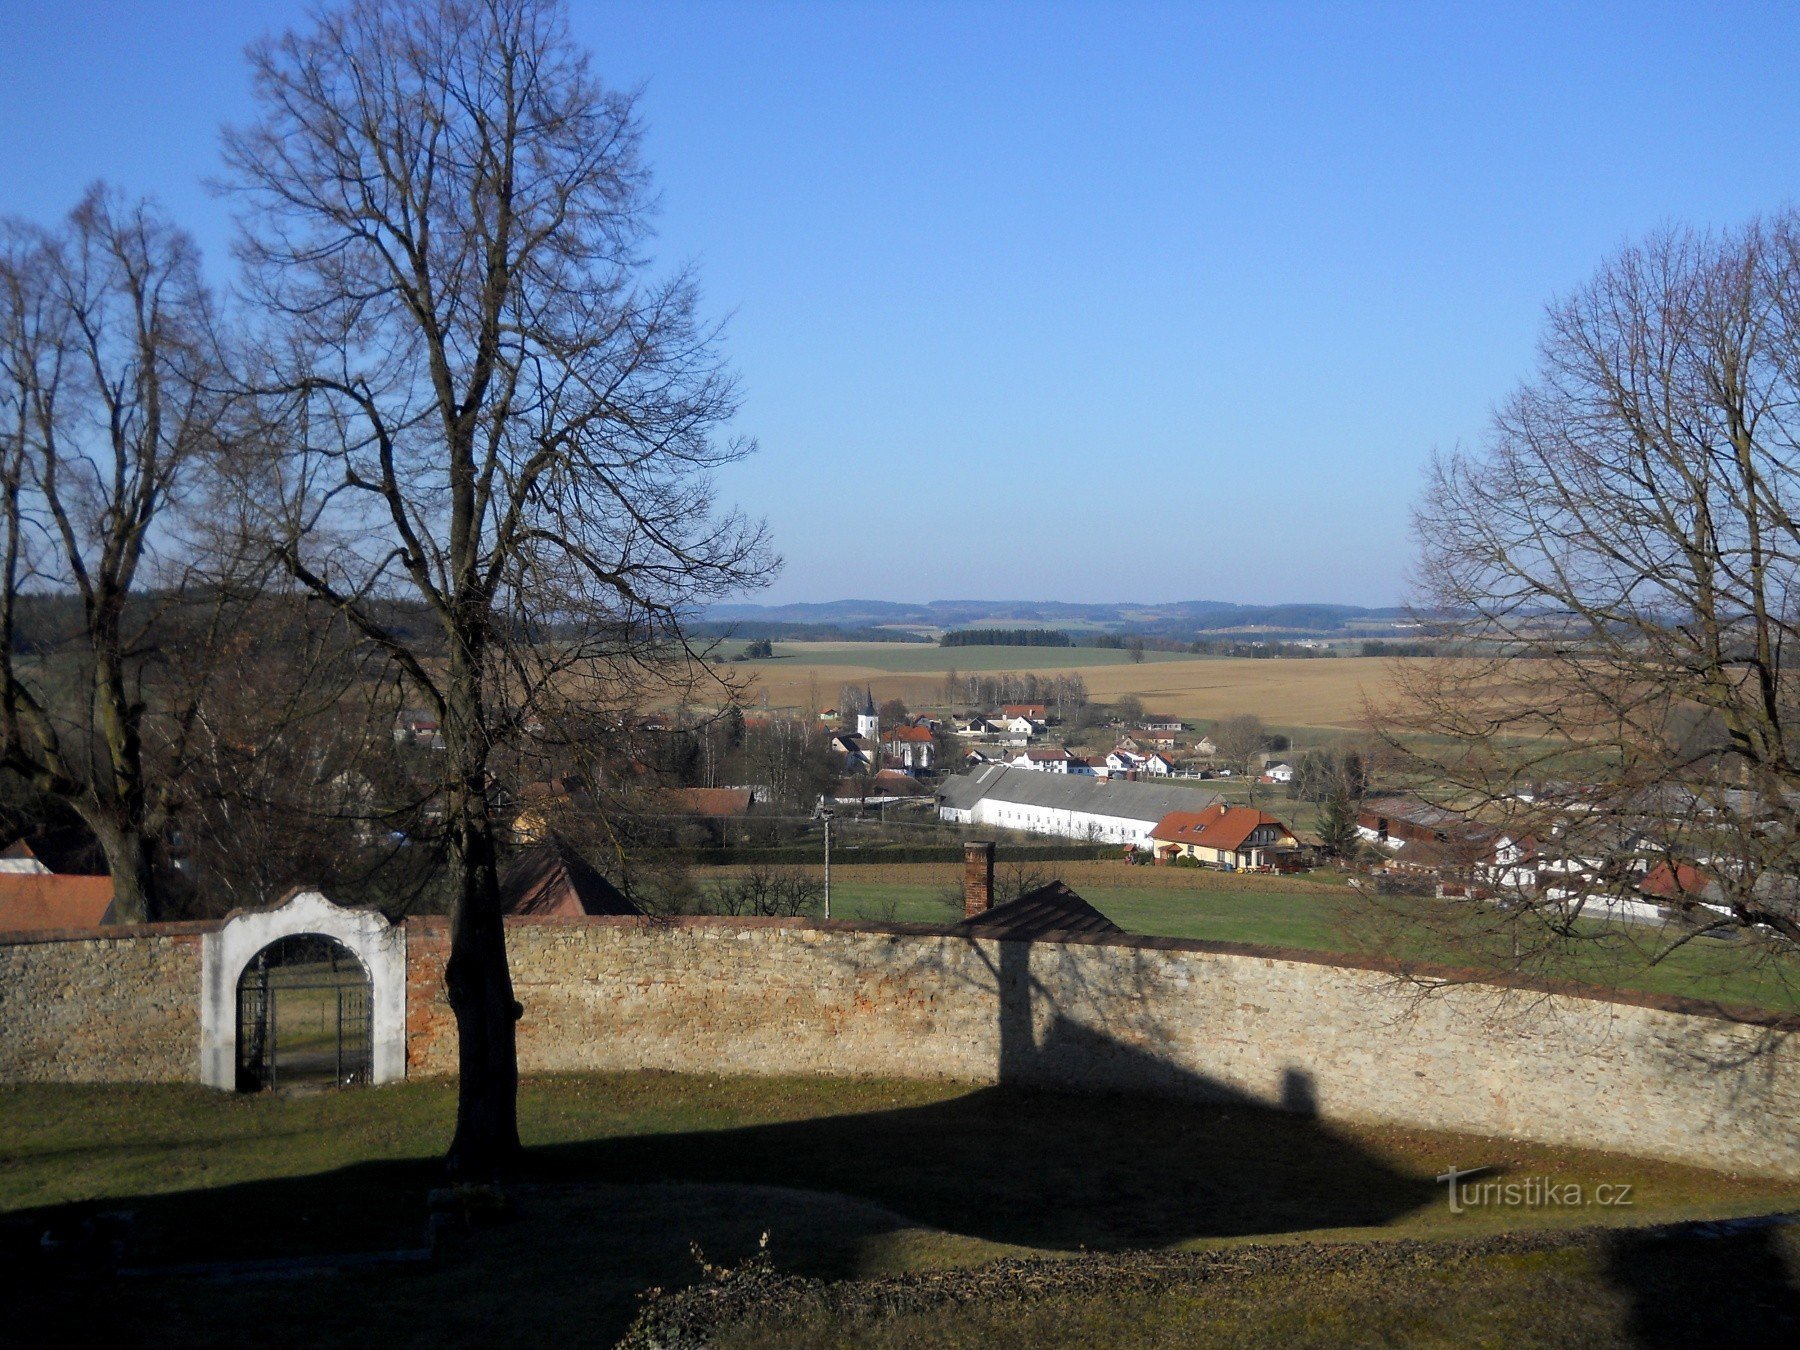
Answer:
[(1086, 302)]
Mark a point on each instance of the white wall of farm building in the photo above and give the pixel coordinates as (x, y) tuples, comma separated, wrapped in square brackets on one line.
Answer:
[(1002, 815)]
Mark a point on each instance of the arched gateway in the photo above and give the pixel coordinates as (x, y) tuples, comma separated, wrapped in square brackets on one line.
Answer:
[(306, 990)]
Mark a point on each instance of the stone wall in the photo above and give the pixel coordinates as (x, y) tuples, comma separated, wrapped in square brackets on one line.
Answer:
[(76, 1008), (737, 996), (1282, 1029)]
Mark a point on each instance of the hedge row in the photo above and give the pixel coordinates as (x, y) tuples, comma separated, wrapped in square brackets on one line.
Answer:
[(850, 855)]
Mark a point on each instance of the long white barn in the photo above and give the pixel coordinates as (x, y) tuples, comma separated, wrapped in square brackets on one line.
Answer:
[(1105, 810)]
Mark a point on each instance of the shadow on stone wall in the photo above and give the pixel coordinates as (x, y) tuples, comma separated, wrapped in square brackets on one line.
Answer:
[(1091, 1138)]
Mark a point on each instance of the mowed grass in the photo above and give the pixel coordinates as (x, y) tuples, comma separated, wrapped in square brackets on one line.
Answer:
[(1328, 692), (1319, 913), (848, 1179)]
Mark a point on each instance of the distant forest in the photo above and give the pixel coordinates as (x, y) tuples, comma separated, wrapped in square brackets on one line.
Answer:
[(780, 631), (1006, 637)]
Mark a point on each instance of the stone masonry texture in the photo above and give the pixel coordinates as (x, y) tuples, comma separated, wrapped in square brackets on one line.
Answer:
[(735, 996), (772, 996), (119, 1009)]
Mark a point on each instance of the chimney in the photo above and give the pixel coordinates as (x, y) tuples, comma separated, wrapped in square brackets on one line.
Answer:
[(978, 879)]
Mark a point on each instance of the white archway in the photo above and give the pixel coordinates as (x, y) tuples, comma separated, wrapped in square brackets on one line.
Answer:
[(378, 944)]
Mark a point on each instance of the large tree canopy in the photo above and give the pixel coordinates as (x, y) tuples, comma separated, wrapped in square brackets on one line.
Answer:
[(1618, 564), (481, 396)]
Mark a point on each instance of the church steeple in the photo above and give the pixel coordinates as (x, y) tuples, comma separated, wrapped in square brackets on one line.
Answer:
[(868, 721)]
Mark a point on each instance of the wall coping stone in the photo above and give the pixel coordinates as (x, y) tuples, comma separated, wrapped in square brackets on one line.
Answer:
[(25, 937)]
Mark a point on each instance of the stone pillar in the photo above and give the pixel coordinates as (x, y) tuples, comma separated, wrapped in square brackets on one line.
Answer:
[(978, 879)]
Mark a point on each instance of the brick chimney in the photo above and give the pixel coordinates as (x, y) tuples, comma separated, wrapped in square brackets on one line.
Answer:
[(978, 879)]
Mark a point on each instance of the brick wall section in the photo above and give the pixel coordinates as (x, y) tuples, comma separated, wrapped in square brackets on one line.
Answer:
[(76, 1008), (430, 1025), (734, 996), (978, 878)]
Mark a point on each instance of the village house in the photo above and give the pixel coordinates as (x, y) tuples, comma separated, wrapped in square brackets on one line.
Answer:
[(908, 748), (1141, 740), (1050, 759), (1279, 771), (54, 879), (1206, 747), (1415, 836), (854, 749), (1020, 726), (415, 726), (1161, 722), (1236, 838), (1153, 763), (1031, 712)]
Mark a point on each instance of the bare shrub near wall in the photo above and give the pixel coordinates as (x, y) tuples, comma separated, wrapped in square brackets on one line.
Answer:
[(764, 892)]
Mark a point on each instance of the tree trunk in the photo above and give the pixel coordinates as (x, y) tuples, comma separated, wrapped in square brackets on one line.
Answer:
[(128, 860), (477, 977)]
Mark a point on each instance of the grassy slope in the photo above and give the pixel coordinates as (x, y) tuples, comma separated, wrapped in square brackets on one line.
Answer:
[(850, 1179)]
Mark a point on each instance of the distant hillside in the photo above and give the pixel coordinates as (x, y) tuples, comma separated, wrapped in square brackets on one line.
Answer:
[(1185, 618)]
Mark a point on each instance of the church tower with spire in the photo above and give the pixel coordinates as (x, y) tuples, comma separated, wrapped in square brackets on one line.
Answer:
[(868, 724)]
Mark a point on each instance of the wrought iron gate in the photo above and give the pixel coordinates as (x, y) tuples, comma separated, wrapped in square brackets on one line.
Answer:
[(303, 1031)]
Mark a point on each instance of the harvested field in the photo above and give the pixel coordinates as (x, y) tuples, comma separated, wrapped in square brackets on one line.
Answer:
[(1323, 693)]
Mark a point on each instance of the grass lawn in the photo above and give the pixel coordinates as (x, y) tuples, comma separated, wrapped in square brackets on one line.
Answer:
[(851, 1181), (1315, 913)]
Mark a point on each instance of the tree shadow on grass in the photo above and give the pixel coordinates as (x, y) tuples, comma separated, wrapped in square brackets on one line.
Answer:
[(1688, 1286)]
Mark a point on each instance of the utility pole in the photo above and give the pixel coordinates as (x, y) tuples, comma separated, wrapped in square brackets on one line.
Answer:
[(824, 813)]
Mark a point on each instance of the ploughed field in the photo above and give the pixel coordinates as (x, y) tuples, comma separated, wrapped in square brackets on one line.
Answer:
[(1325, 692), (895, 1212)]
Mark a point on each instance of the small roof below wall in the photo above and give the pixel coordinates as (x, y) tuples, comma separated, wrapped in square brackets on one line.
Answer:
[(1043, 913)]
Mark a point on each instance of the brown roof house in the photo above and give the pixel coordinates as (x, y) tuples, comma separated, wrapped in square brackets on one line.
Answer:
[(551, 879), (1239, 838), (39, 900), (54, 879)]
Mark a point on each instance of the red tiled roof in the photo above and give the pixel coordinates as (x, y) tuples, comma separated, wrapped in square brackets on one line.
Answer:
[(906, 734), (1679, 882), (708, 801), (39, 900), (1219, 827)]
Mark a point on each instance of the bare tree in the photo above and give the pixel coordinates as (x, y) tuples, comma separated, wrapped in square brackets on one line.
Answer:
[(108, 380), (491, 405), (1616, 568), (1239, 738)]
